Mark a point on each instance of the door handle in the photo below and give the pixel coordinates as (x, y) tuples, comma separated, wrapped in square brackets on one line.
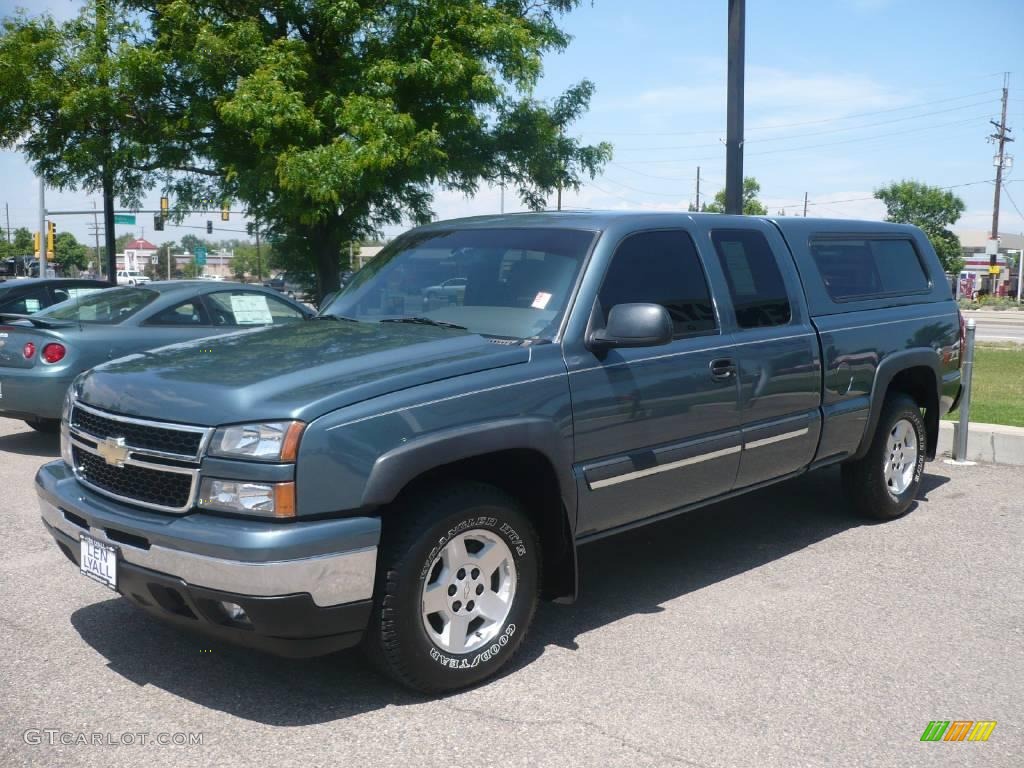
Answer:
[(722, 369)]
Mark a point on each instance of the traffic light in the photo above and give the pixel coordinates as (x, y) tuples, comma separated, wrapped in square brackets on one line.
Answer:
[(158, 222), (165, 206), (35, 242), (225, 212), (51, 236), (209, 227)]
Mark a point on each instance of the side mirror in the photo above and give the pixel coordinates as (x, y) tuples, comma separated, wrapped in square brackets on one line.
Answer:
[(634, 325)]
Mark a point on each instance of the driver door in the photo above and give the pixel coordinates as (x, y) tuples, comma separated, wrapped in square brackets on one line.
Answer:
[(655, 428)]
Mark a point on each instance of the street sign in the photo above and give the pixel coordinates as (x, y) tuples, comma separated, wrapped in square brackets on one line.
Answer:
[(994, 270), (124, 218), (200, 255)]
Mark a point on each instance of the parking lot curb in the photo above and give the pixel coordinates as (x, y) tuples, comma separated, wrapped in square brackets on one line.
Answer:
[(992, 443)]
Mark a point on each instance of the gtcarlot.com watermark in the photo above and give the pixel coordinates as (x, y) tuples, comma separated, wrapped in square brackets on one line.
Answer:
[(52, 737)]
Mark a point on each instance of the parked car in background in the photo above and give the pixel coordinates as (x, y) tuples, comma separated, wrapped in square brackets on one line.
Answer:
[(416, 480), (451, 291), (26, 296), (291, 284), (43, 352), (131, 278)]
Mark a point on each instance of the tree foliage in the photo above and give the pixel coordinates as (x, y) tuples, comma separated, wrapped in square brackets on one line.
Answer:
[(21, 244), (933, 209), (751, 205), (69, 253), (329, 119)]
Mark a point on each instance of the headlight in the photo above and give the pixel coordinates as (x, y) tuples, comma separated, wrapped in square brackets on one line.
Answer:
[(246, 498), (269, 441), (65, 438)]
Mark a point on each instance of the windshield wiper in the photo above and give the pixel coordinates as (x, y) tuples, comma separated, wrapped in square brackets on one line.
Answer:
[(424, 321), (335, 317)]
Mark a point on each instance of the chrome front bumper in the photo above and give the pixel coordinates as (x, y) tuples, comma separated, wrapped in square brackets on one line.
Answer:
[(334, 561)]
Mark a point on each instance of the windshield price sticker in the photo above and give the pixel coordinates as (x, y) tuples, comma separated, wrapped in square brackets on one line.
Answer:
[(541, 300), (251, 310)]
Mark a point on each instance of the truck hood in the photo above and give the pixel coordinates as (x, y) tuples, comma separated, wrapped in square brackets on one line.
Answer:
[(297, 371)]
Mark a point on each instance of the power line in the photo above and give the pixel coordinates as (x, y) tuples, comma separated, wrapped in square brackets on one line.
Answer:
[(1010, 198), (769, 127), (872, 197), (818, 133)]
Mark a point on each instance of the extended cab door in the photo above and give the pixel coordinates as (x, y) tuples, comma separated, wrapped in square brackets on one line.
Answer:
[(777, 350), (655, 428)]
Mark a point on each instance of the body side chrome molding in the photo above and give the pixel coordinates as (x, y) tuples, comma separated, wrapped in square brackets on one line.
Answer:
[(636, 475), (777, 438)]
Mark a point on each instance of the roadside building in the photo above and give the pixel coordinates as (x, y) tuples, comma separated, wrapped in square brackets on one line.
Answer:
[(976, 276), (138, 254)]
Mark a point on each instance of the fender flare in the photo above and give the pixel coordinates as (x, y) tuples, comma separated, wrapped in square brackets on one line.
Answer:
[(395, 469), (884, 374)]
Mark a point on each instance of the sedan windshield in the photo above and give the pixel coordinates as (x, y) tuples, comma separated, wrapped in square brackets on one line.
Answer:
[(108, 307), (508, 283)]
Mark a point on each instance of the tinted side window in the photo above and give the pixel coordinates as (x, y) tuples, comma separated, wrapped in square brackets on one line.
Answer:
[(26, 303), (861, 268), (661, 268), (755, 283), (187, 313)]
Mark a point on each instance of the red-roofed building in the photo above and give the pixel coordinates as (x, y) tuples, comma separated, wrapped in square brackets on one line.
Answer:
[(137, 255)]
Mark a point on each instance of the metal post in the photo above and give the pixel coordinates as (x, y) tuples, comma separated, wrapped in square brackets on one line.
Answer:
[(42, 228), (960, 446), (1020, 271), (734, 109)]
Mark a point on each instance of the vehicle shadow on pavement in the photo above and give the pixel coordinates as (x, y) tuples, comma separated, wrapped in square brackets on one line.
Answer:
[(632, 573), (31, 443), (637, 571)]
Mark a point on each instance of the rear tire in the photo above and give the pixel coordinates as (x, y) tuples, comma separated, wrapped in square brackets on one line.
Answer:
[(883, 484), (46, 426), (456, 590)]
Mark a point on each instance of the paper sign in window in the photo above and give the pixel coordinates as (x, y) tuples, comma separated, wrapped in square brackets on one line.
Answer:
[(251, 310), (31, 305), (541, 300)]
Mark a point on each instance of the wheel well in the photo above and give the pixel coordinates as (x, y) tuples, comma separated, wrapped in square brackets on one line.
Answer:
[(919, 383), (528, 476)]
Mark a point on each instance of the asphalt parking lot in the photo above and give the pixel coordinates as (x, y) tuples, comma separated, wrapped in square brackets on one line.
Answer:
[(772, 630)]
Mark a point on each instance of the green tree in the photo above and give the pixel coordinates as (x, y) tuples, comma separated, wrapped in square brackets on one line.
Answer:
[(22, 243), (244, 263), (933, 209), (69, 253), (80, 100), (751, 205), (329, 120)]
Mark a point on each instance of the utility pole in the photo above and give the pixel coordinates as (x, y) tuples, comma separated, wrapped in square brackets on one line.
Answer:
[(42, 228), (805, 205), (734, 111), (1000, 139), (502, 187), (697, 203), (7, 210), (96, 233), (259, 264)]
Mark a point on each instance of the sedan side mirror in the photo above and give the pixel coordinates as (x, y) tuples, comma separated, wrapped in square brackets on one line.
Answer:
[(633, 325)]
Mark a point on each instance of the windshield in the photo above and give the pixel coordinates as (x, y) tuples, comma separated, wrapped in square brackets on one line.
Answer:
[(108, 306), (511, 283)]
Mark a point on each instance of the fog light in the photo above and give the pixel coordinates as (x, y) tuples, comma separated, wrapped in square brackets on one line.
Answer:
[(234, 612)]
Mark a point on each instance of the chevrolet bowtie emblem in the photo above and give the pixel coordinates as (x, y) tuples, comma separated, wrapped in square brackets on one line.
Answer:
[(113, 451)]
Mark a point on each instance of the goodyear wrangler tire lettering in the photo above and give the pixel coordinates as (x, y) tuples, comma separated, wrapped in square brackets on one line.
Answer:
[(459, 586)]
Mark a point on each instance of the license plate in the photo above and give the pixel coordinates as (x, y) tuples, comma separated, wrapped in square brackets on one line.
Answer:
[(98, 561)]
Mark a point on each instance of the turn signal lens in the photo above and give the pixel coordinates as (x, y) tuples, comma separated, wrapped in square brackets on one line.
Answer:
[(54, 353), (28, 350)]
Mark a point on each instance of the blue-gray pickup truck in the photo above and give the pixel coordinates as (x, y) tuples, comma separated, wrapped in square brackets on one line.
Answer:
[(413, 469)]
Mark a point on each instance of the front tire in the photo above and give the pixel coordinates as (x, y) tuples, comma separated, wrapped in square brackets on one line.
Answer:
[(884, 483), (457, 588)]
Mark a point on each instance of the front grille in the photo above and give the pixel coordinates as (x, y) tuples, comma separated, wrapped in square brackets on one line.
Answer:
[(144, 436), (150, 486)]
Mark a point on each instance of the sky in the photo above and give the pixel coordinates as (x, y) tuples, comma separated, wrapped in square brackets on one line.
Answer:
[(842, 97)]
